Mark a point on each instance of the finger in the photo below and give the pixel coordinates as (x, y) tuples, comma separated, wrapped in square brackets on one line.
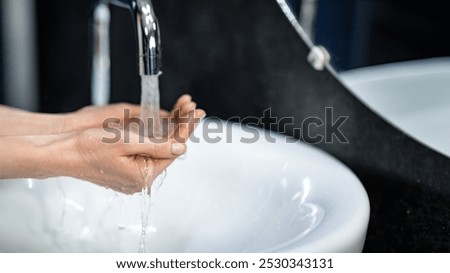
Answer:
[(187, 107), (134, 109), (164, 113), (184, 126), (154, 148), (132, 114), (187, 125), (181, 101), (200, 114), (179, 114)]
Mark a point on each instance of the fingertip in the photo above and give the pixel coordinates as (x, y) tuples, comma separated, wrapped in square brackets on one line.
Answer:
[(186, 108), (178, 148), (186, 97), (200, 113), (183, 100), (133, 108), (164, 113)]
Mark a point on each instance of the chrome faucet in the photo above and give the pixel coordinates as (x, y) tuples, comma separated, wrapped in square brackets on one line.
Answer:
[(148, 42)]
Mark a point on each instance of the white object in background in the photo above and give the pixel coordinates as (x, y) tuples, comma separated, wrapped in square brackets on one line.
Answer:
[(307, 17), (20, 59), (101, 63), (414, 96)]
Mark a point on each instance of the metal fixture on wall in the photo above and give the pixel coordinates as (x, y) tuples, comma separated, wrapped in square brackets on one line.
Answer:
[(307, 17)]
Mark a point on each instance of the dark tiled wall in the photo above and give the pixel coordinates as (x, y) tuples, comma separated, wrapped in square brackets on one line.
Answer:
[(241, 57), (64, 48)]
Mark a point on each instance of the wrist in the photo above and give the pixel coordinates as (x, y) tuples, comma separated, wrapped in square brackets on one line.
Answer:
[(40, 156), (18, 122), (74, 121), (55, 155), (51, 123)]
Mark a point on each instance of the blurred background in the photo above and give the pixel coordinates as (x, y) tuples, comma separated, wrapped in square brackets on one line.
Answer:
[(45, 45), (362, 33)]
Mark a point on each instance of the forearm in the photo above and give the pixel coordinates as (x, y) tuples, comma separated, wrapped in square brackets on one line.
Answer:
[(15, 122), (35, 156)]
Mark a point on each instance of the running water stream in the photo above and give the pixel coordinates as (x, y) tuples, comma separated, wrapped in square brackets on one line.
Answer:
[(150, 106), (152, 128)]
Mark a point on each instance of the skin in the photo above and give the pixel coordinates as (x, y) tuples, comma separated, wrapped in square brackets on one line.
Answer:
[(35, 145)]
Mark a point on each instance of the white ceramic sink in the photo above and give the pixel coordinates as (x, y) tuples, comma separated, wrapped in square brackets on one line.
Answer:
[(223, 197), (414, 96)]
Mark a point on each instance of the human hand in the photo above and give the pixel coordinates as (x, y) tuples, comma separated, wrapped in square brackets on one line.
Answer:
[(134, 161), (126, 165), (95, 116)]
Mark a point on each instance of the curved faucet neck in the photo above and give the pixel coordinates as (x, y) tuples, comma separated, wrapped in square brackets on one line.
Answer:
[(149, 39), (148, 36)]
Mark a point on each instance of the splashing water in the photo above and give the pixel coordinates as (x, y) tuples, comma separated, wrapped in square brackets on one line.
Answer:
[(148, 198), (145, 211)]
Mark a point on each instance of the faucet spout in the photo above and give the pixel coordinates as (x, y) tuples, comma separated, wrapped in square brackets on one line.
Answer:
[(149, 41), (148, 37)]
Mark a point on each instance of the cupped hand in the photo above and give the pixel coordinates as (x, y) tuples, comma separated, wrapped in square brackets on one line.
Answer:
[(95, 116), (124, 160), (36, 145)]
